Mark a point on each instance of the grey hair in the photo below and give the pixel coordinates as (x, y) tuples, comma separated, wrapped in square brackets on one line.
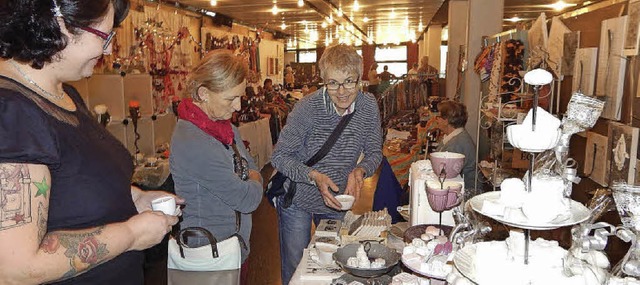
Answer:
[(340, 57)]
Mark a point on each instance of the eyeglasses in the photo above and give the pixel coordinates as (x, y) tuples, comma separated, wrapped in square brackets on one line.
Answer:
[(107, 38), (347, 84)]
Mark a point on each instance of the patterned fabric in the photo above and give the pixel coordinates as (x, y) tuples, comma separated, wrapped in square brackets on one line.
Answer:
[(496, 71), (513, 64)]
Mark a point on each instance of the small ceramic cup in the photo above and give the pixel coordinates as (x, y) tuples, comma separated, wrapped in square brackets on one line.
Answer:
[(346, 201), (165, 204)]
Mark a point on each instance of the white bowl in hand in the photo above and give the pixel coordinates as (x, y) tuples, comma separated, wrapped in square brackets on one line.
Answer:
[(346, 201)]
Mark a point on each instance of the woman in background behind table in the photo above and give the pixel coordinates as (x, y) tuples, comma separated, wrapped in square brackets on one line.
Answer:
[(69, 214), (308, 126), (451, 121), (209, 163)]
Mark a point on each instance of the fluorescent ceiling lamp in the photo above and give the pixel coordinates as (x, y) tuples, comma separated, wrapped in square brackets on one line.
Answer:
[(274, 9), (283, 26), (365, 19), (356, 6), (300, 3), (210, 14), (324, 25), (213, 2), (560, 5), (514, 19)]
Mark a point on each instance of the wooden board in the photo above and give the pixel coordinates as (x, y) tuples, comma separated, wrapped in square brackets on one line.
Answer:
[(595, 158), (584, 71), (623, 141), (611, 66)]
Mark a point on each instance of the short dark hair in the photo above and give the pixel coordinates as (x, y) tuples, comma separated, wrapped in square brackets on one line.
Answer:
[(454, 112), (267, 80), (29, 31)]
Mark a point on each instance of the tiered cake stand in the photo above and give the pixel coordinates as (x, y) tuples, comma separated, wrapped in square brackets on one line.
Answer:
[(577, 213)]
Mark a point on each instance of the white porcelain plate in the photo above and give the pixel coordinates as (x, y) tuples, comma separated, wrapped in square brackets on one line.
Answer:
[(578, 213)]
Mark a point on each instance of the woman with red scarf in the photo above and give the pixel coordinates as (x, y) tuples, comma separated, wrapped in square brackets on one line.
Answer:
[(210, 166)]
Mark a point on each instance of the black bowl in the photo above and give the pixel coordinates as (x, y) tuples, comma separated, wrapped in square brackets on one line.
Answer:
[(377, 250)]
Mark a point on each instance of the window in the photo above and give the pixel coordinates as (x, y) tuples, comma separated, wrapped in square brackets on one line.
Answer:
[(307, 56), (444, 49), (395, 57)]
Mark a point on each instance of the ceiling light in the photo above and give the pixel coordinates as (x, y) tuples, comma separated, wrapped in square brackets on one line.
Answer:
[(560, 5), (283, 26), (213, 2), (420, 26), (365, 19), (392, 14), (324, 25), (514, 19), (356, 6), (300, 3), (274, 10), (586, 3), (340, 12), (406, 21)]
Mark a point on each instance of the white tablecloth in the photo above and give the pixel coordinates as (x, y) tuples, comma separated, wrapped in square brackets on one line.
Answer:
[(307, 273), (258, 135)]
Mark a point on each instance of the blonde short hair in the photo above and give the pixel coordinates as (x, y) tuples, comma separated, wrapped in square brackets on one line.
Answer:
[(340, 57), (219, 71)]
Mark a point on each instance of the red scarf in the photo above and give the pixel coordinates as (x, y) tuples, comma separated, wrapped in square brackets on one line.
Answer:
[(221, 129)]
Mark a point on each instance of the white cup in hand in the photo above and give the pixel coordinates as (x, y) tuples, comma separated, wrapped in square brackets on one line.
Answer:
[(166, 204)]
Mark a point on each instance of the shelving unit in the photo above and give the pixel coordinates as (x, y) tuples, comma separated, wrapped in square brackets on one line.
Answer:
[(115, 92)]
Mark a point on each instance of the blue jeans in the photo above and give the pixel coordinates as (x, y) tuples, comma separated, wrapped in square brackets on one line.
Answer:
[(294, 228)]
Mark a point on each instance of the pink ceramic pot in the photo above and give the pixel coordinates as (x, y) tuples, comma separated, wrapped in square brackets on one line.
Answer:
[(442, 199), (451, 162)]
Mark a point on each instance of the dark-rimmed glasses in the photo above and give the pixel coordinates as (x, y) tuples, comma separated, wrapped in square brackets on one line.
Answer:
[(104, 36), (347, 84)]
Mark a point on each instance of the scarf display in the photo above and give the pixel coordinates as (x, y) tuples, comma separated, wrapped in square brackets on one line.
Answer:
[(219, 129)]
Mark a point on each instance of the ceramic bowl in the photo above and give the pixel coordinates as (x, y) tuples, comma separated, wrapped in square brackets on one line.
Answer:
[(523, 138), (377, 250), (346, 201), (450, 162)]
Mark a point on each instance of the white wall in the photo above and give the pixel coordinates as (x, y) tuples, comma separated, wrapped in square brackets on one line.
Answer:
[(271, 49)]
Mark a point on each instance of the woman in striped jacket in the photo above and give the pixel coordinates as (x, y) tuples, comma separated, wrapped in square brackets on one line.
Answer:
[(339, 172)]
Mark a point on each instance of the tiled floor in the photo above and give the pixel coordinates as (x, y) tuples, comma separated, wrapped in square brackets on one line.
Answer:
[(264, 260)]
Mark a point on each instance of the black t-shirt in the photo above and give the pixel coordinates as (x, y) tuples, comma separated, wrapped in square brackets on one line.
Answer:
[(90, 170)]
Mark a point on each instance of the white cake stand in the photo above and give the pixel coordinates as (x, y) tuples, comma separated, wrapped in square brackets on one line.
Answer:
[(578, 213)]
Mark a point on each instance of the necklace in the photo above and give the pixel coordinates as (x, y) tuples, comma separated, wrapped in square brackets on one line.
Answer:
[(28, 79)]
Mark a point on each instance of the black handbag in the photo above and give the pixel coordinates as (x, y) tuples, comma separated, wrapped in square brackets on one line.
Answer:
[(276, 188)]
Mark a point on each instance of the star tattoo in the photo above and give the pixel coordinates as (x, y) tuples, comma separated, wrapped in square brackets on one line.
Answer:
[(43, 187), (19, 218)]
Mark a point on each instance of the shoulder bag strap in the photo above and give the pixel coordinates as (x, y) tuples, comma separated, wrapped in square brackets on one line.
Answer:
[(333, 138)]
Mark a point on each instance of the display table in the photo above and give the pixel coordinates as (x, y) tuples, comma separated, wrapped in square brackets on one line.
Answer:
[(309, 272), (258, 135)]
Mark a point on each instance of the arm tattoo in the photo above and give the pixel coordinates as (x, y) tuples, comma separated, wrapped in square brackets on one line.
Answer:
[(84, 250), (42, 220), (15, 195)]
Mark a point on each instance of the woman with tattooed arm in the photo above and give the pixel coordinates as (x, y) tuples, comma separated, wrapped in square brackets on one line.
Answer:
[(68, 213)]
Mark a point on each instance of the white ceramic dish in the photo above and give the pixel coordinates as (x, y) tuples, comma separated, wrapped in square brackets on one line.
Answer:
[(521, 137), (414, 265), (578, 214), (346, 201)]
